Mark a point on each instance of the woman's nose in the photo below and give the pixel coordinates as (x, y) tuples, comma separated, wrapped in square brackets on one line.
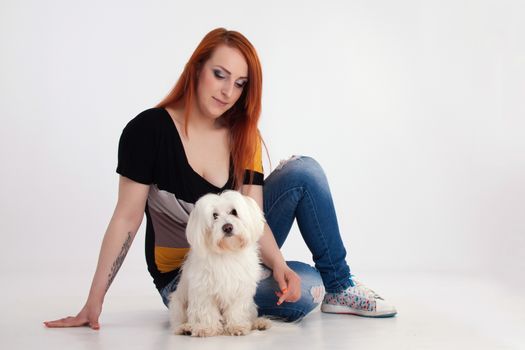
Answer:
[(227, 90)]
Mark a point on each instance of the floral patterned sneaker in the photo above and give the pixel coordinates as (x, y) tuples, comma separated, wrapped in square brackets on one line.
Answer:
[(357, 300)]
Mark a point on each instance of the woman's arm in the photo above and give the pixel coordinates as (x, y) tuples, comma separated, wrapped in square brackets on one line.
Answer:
[(271, 256), (270, 253), (120, 233)]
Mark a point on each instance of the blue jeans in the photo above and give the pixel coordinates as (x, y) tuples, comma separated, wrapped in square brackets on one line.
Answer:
[(298, 189)]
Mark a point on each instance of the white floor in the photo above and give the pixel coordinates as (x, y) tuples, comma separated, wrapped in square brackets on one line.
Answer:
[(439, 311)]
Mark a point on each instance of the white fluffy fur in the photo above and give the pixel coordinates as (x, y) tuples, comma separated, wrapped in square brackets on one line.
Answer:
[(219, 277)]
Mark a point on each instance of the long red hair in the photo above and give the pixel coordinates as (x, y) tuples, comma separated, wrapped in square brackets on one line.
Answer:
[(242, 118)]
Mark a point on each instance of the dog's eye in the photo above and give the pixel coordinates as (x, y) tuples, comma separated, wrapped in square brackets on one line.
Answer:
[(215, 216), (234, 212)]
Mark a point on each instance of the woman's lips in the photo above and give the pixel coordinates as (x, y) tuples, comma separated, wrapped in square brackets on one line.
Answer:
[(219, 101)]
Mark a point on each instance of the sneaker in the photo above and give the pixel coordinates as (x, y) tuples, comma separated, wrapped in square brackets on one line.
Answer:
[(357, 300)]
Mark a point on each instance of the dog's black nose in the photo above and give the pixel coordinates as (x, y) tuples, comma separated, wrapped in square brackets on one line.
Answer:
[(227, 228)]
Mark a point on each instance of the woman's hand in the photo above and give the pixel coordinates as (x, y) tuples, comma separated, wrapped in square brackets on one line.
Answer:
[(289, 283), (88, 316)]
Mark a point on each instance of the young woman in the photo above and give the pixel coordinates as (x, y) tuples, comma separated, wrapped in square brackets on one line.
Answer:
[(202, 138)]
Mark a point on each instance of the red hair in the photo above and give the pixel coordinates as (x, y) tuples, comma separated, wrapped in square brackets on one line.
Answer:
[(242, 118)]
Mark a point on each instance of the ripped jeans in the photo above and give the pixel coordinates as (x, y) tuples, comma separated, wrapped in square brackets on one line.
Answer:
[(298, 189)]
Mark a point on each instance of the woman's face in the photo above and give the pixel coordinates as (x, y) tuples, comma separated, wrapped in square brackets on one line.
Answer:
[(221, 81)]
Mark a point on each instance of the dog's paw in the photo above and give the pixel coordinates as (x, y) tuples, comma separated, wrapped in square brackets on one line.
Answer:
[(183, 329), (237, 329), (261, 323), (198, 330)]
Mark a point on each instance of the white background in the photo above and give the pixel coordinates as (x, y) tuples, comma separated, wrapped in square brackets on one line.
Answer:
[(415, 109)]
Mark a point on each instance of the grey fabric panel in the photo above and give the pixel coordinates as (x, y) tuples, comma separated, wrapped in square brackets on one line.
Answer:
[(169, 217)]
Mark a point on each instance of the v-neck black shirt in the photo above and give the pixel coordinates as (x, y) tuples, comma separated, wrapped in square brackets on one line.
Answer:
[(151, 152)]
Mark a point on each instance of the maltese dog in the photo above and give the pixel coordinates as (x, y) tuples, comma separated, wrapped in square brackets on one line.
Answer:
[(219, 276)]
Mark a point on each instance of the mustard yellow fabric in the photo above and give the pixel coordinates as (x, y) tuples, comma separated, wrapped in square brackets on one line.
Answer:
[(168, 259)]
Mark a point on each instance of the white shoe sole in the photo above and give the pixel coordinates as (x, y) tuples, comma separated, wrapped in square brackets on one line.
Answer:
[(340, 309)]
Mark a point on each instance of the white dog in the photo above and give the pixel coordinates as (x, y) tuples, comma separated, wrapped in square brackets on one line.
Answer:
[(219, 276)]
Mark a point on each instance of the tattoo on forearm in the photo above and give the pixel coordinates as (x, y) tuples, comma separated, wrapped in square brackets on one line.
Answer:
[(120, 259)]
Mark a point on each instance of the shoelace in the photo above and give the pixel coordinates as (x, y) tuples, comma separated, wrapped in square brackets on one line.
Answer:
[(368, 291)]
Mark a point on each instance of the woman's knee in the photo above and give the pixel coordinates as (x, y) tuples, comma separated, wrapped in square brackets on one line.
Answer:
[(312, 288), (312, 292), (304, 168)]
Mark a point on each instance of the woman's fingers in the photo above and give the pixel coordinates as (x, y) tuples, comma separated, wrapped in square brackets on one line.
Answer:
[(281, 297), (88, 316), (291, 294), (66, 322), (94, 325)]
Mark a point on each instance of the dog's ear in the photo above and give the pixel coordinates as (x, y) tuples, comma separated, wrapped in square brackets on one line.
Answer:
[(198, 223), (257, 216), (194, 228)]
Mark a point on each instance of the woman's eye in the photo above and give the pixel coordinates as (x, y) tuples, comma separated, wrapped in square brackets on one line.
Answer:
[(218, 74), (215, 216), (234, 212)]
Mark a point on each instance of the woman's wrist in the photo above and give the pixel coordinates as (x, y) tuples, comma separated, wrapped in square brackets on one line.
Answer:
[(271, 255), (95, 298), (275, 261)]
